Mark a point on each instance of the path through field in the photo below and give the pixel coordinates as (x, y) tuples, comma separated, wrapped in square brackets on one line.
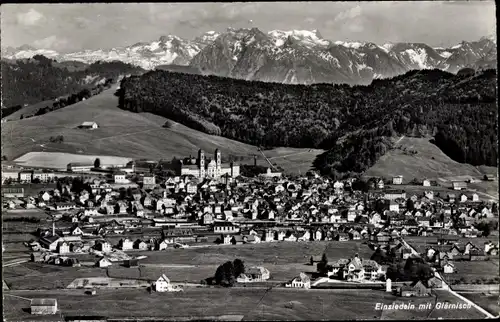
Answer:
[(448, 288)]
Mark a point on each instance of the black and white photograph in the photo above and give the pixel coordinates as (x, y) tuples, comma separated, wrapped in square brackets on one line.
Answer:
[(261, 161)]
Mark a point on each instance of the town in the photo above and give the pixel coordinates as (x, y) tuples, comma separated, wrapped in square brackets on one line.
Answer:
[(405, 239)]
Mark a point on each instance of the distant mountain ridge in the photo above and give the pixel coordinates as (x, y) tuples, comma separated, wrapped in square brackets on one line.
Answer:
[(292, 57)]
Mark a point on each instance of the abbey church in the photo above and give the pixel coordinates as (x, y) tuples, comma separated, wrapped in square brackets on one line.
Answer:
[(203, 167)]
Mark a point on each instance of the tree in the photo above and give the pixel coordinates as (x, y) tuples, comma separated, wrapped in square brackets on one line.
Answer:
[(36, 180), (239, 267), (97, 163), (410, 205), (322, 266), (4, 158)]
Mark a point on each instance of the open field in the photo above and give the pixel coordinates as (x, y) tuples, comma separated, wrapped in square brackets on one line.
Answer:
[(33, 276), (126, 134), (279, 253), (254, 304), (489, 302), (474, 271), (430, 162), (284, 260), (60, 160), (29, 110)]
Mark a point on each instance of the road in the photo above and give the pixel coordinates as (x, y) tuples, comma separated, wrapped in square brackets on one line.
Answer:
[(399, 140), (445, 286)]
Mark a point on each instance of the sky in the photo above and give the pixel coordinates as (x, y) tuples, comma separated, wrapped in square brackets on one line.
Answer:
[(76, 26)]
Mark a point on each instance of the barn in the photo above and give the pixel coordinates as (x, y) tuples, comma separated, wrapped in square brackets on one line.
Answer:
[(43, 306), (89, 125)]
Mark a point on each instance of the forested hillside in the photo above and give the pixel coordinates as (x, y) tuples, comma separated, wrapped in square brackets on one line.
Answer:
[(354, 123), (38, 79)]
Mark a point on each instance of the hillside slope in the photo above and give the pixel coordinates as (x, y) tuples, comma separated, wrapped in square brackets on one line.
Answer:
[(428, 162), (354, 123), (127, 134)]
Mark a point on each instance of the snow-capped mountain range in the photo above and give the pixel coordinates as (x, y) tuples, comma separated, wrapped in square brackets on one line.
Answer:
[(297, 56)]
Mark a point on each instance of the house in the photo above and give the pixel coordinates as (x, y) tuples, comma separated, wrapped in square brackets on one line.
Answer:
[(25, 176), (426, 183), (397, 180), (139, 244), (43, 306), (478, 255), (393, 206), (449, 268), (459, 185), (89, 125), (120, 177), (463, 198), (417, 289), (63, 248), (254, 274), (149, 180), (103, 246), (162, 245), (380, 184), (162, 284), (125, 244), (103, 262), (302, 281), (354, 234)]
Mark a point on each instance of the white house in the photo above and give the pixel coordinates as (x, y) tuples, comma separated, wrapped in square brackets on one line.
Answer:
[(120, 177), (449, 268), (397, 180), (103, 262), (426, 183), (162, 284), (393, 206), (302, 281), (126, 244)]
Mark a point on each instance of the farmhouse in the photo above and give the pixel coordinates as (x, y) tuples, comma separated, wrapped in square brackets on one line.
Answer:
[(254, 274), (417, 289), (302, 281), (89, 125), (43, 306), (162, 284)]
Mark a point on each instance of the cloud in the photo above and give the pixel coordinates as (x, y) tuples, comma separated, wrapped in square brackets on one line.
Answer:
[(349, 14), (51, 42), (30, 18)]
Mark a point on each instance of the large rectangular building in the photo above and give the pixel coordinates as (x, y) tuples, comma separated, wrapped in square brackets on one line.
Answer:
[(9, 192)]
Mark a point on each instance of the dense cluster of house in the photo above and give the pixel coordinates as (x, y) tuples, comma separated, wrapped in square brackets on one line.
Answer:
[(250, 210)]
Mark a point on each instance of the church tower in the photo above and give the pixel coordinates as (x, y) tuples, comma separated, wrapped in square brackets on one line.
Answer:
[(201, 162), (218, 161)]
